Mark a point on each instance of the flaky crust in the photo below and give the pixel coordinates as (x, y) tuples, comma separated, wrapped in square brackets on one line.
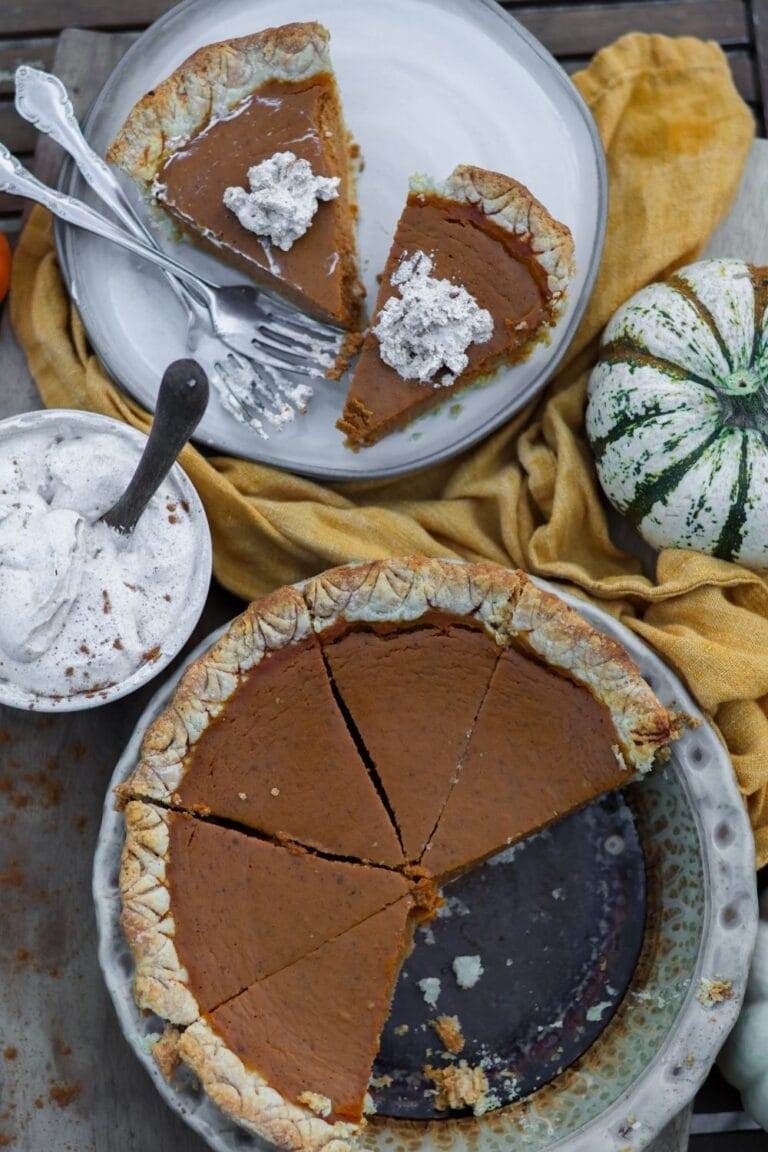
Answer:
[(160, 980), (511, 609), (513, 207), (508, 605), (210, 83), (248, 1099)]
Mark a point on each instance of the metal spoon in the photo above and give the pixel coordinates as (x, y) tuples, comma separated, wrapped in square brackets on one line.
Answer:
[(181, 402)]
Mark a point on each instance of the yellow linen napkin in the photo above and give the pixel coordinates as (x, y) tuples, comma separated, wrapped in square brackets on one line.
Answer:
[(676, 136)]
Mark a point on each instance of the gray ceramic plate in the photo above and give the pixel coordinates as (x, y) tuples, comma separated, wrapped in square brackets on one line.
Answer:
[(651, 1058), (427, 84)]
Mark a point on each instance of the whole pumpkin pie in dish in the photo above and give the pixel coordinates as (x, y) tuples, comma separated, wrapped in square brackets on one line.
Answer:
[(244, 145), (549, 714), (476, 275)]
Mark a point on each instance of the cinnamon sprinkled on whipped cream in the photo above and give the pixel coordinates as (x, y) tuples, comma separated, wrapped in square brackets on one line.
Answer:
[(81, 607), (283, 198), (430, 325)]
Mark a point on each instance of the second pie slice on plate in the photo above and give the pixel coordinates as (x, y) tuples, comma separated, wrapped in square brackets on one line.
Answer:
[(478, 255)]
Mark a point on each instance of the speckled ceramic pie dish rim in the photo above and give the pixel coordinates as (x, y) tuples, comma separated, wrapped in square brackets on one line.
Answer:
[(703, 774), (322, 453), (16, 697)]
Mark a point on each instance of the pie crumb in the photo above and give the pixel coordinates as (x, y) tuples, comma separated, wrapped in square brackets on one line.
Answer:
[(166, 1051), (468, 970), (459, 1086), (401, 1030), (274, 791), (715, 991), (242, 795), (448, 1029), (320, 1105), (430, 990)]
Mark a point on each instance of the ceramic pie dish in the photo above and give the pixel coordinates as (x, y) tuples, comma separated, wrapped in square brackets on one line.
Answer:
[(423, 90), (672, 1019)]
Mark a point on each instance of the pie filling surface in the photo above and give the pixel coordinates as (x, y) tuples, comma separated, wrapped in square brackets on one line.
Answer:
[(348, 774), (495, 267), (320, 267)]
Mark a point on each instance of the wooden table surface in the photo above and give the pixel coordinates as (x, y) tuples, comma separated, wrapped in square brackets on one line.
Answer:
[(68, 1080)]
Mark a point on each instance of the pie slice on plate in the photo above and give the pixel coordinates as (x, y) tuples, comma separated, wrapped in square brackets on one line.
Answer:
[(474, 707), (232, 108), (476, 275), (222, 887)]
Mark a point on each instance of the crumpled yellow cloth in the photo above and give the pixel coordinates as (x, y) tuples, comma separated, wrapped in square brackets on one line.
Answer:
[(676, 136)]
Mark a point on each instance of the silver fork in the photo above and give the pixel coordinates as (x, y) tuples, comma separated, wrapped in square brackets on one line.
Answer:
[(263, 337)]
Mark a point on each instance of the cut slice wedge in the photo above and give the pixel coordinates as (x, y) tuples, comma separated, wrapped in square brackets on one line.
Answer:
[(224, 887), (484, 232), (413, 696), (281, 760), (233, 105), (542, 747), (312, 1030)]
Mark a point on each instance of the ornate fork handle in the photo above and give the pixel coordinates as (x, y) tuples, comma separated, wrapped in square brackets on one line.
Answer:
[(15, 178), (42, 100)]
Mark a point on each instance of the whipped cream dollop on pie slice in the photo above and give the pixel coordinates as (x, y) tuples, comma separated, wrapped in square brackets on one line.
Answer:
[(476, 275), (231, 108)]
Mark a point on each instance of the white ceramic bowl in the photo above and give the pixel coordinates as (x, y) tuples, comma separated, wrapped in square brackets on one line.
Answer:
[(63, 419)]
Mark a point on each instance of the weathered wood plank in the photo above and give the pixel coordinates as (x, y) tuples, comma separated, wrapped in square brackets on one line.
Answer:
[(740, 60), (37, 51), (581, 29), (15, 133), (24, 17)]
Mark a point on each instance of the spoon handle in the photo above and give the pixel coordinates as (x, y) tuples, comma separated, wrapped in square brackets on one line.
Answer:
[(181, 402)]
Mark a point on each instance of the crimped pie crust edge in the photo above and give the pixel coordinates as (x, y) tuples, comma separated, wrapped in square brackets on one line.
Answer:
[(160, 986), (208, 84), (513, 207), (509, 606)]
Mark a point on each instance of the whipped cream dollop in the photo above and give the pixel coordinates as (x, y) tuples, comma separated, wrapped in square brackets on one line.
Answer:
[(82, 607), (430, 325), (283, 198)]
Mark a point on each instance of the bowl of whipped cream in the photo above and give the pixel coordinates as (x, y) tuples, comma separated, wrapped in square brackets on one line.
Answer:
[(88, 615)]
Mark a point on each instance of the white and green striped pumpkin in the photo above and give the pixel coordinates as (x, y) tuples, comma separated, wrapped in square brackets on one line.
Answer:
[(678, 411)]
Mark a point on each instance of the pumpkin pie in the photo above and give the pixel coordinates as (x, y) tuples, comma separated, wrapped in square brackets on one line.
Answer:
[(482, 255), (231, 108), (221, 886), (505, 710), (409, 674), (313, 1028), (279, 758)]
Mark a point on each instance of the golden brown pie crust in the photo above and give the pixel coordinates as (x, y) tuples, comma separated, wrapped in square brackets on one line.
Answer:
[(488, 232), (511, 610), (164, 125)]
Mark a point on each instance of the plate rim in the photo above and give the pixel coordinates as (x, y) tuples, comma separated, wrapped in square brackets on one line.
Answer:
[(656, 1097), (69, 179)]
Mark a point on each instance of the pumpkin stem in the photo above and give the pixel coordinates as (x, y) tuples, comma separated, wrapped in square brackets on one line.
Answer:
[(742, 382)]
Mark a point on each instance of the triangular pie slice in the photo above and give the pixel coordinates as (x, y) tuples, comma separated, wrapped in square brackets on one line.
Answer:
[(269, 749), (310, 1032), (242, 907), (413, 695), (233, 105), (542, 746), (484, 232)]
